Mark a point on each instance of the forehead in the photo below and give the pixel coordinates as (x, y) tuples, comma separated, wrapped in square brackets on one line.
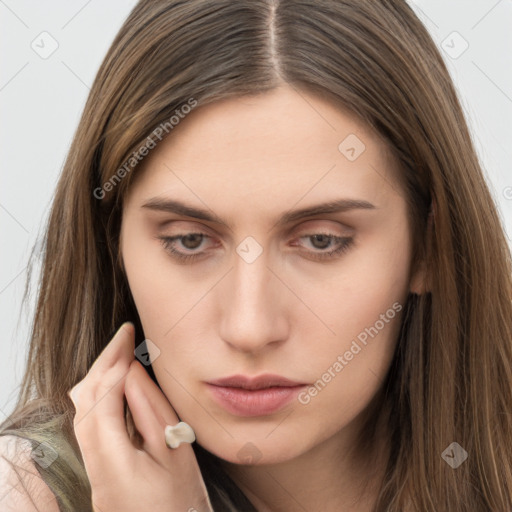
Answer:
[(283, 145)]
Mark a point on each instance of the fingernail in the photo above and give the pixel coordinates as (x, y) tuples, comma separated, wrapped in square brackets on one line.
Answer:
[(72, 393), (123, 325)]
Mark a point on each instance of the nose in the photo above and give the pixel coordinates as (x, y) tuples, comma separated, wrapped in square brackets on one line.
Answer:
[(254, 306)]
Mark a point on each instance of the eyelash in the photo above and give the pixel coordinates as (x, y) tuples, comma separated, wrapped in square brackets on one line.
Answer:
[(344, 245)]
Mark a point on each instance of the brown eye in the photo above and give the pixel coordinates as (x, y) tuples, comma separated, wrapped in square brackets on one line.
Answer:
[(192, 240), (188, 242), (322, 241)]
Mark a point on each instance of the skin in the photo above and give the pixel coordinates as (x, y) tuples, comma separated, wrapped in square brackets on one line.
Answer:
[(124, 476), (249, 160)]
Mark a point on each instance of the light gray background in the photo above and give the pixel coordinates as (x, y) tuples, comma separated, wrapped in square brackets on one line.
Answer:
[(41, 100)]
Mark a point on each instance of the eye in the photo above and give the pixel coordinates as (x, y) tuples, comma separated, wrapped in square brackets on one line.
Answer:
[(190, 241), (194, 241), (322, 241)]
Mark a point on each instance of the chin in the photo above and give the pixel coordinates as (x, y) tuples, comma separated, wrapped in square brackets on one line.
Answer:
[(253, 452)]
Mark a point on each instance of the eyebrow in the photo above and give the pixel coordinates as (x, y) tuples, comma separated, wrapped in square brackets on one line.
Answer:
[(180, 208)]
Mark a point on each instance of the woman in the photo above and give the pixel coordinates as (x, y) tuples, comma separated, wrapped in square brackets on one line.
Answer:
[(276, 195)]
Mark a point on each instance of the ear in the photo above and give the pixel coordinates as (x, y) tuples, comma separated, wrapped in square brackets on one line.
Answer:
[(420, 283)]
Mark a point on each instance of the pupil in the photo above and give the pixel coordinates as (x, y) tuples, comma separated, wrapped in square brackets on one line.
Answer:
[(187, 238), (321, 238)]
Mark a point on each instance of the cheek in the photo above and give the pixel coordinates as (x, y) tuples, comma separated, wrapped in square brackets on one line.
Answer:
[(351, 295), (365, 306), (165, 301), (156, 284), (146, 285)]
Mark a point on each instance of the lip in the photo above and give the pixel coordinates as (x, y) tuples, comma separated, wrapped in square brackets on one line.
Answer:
[(254, 396)]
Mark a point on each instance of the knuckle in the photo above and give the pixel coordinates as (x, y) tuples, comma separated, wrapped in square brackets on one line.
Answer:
[(110, 381)]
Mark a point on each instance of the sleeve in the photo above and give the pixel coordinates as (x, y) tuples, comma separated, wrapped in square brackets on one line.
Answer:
[(22, 488)]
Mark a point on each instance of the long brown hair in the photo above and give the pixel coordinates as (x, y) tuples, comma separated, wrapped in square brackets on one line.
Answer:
[(451, 378)]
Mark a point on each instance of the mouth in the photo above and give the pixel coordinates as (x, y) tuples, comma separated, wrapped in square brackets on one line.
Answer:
[(254, 396)]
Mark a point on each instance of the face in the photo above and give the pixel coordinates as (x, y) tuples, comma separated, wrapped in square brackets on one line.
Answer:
[(249, 286)]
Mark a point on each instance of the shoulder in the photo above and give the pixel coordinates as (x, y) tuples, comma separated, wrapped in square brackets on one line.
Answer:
[(21, 485)]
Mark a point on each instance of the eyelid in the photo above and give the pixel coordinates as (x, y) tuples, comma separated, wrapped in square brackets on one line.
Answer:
[(317, 225), (190, 226), (302, 224), (305, 228)]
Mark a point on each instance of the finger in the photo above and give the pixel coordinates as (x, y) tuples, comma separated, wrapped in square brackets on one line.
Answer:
[(119, 349), (151, 412), (117, 352), (139, 379), (99, 421), (101, 434), (108, 369)]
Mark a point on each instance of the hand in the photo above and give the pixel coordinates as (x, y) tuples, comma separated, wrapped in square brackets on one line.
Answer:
[(122, 476)]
